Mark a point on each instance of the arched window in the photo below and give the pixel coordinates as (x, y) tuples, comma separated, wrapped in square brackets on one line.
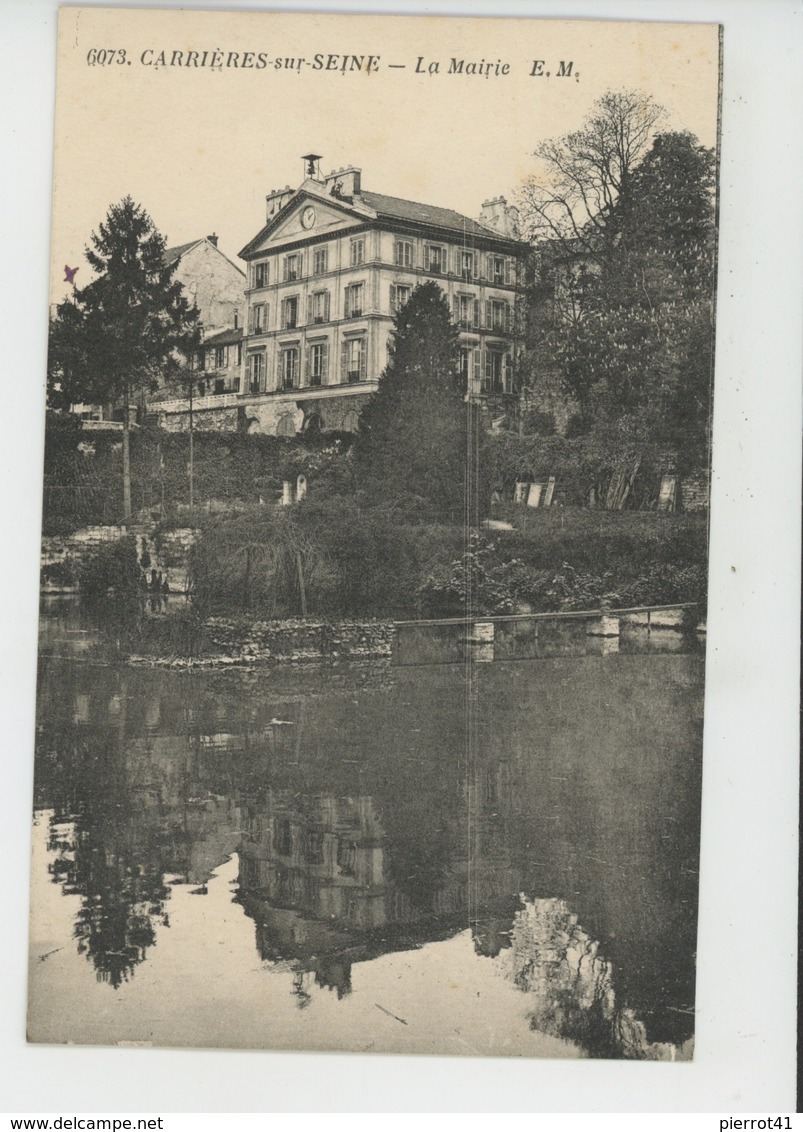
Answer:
[(286, 425), (313, 423), (350, 421)]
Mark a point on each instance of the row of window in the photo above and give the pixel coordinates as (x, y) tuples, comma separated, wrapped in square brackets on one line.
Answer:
[(220, 357), (206, 388), (489, 370), (435, 259), (316, 369), (467, 309)]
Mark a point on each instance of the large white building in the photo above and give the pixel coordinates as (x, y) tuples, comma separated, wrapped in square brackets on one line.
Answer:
[(325, 276), (328, 271)]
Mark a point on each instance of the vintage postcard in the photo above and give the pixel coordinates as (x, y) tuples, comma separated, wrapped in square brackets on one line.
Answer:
[(375, 534)]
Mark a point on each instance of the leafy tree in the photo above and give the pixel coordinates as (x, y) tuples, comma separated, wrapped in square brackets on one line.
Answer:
[(128, 329), (570, 209), (642, 356), (418, 436), (632, 339)]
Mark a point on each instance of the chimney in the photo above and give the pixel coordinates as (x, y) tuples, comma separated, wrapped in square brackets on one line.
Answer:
[(344, 183), (501, 216), (213, 239), (276, 200)]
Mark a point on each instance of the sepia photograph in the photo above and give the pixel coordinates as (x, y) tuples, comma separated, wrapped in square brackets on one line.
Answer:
[(401, 460), (402, 454), (374, 567)]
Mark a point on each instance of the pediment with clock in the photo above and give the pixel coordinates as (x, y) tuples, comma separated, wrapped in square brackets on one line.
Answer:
[(307, 215)]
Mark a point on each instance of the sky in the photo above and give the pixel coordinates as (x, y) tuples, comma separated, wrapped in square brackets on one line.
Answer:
[(199, 148)]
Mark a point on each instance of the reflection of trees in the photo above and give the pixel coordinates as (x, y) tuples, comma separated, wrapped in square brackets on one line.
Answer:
[(82, 771), (570, 985), (121, 902)]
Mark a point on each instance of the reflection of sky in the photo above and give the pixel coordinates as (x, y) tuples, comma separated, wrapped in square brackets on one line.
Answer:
[(548, 985), (203, 987)]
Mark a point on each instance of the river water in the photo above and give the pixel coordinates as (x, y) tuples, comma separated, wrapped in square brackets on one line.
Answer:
[(427, 859)]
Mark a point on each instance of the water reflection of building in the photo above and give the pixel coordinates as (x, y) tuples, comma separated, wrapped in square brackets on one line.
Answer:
[(362, 828), (314, 878)]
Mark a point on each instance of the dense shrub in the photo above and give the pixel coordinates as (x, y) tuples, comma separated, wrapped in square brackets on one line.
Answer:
[(574, 560), (356, 560), (352, 560), (478, 582), (83, 471), (112, 569), (59, 573)]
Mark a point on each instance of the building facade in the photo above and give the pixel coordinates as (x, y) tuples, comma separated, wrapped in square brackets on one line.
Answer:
[(328, 271)]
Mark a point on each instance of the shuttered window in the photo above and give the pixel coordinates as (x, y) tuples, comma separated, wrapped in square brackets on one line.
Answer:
[(467, 263), (288, 367), (354, 300), (353, 361), (403, 253), (292, 267), (435, 261), (498, 315), (290, 312), (399, 295), (317, 363), (256, 372), (319, 307), (258, 318)]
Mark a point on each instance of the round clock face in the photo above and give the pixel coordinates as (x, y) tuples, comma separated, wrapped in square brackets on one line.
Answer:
[(308, 217)]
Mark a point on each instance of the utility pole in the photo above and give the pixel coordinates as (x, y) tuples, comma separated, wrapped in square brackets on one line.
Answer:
[(196, 356)]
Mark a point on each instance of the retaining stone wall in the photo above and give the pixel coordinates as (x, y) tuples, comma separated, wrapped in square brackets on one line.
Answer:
[(203, 420), (244, 641), (170, 558)]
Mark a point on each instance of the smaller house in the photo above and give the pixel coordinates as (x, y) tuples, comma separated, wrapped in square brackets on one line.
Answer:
[(211, 280), (220, 362)]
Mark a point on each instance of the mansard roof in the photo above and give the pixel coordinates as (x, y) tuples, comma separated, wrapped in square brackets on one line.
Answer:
[(370, 208), (396, 208)]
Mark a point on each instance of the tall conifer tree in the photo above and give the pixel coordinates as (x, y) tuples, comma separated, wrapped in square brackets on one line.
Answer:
[(127, 330), (418, 436)]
